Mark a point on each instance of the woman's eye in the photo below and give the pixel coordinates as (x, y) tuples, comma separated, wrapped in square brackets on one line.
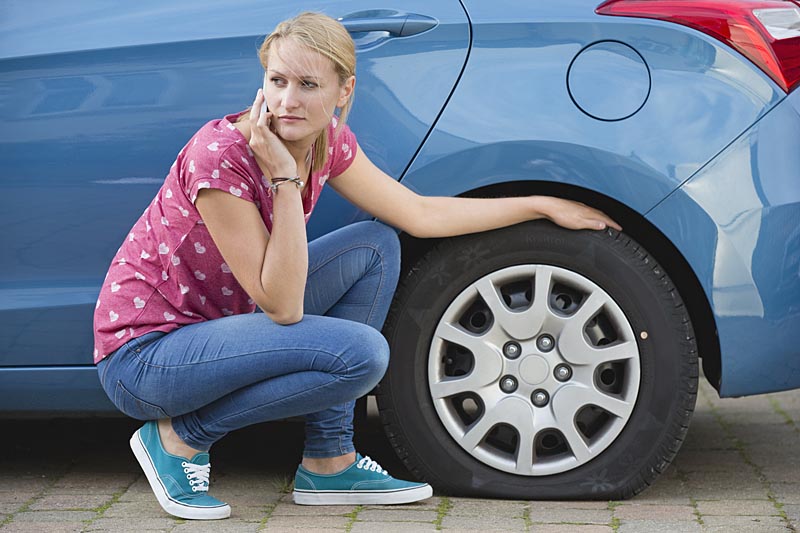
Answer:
[(277, 81), (309, 84)]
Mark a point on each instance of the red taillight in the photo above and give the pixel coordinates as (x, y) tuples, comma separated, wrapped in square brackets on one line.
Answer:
[(766, 31)]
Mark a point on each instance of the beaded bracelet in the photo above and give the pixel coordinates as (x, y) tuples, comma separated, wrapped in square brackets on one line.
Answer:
[(276, 182)]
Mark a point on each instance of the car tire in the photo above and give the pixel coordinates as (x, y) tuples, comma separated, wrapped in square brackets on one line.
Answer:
[(436, 391)]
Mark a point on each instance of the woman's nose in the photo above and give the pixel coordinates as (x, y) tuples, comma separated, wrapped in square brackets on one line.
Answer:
[(291, 98)]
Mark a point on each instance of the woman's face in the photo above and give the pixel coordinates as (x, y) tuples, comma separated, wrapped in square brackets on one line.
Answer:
[(302, 91)]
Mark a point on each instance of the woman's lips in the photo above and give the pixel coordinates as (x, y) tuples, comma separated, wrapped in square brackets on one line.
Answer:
[(290, 118)]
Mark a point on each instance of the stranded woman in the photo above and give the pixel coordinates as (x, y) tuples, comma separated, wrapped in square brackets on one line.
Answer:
[(177, 340)]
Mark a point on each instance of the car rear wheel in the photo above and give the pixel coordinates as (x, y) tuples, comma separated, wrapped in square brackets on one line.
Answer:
[(538, 362)]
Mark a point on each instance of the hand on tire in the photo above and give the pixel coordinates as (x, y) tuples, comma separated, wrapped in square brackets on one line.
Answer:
[(575, 215)]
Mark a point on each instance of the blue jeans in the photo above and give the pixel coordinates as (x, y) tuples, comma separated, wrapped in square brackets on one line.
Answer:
[(220, 375)]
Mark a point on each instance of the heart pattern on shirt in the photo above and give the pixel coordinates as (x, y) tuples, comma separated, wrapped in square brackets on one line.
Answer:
[(163, 249), (203, 185), (164, 221), (145, 255), (168, 193), (184, 212), (199, 248), (138, 303), (130, 237), (112, 316), (139, 275), (225, 164), (176, 260), (235, 191), (164, 275), (119, 334), (226, 291), (184, 288), (191, 166), (225, 268), (169, 316), (213, 146), (199, 275), (215, 173), (114, 286), (202, 299)]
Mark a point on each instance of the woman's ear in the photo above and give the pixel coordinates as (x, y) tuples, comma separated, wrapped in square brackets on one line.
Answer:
[(346, 91)]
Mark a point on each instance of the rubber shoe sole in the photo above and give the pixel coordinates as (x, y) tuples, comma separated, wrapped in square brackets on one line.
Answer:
[(169, 505), (362, 497)]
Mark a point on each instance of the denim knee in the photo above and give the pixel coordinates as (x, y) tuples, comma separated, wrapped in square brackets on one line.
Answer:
[(369, 358), (387, 242)]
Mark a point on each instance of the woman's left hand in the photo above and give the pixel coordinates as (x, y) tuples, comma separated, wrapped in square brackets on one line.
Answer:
[(575, 215)]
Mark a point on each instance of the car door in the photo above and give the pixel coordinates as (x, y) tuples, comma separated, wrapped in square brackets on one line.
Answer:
[(96, 103)]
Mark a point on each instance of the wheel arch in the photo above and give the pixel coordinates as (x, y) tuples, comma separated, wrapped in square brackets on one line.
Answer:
[(634, 224)]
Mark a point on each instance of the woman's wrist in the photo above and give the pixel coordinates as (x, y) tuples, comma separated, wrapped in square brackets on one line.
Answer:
[(540, 206)]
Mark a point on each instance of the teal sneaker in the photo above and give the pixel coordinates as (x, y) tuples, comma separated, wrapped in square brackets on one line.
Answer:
[(363, 482), (180, 486)]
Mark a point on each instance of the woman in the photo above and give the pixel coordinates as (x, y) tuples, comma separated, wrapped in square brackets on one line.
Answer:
[(178, 343)]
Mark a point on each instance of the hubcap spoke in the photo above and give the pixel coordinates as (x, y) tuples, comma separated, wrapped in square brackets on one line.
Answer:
[(572, 343), (519, 325)]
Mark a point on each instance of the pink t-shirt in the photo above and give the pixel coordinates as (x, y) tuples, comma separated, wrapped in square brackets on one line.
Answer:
[(168, 272)]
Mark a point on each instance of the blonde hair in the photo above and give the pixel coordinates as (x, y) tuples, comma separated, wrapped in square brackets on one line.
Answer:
[(330, 39)]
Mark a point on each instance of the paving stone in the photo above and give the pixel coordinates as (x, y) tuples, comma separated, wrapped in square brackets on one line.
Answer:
[(476, 507), (41, 527), (736, 507), (216, 526), (493, 522), (391, 527), (671, 513), (69, 501), (744, 524), (431, 504), (659, 526), (792, 511), (577, 516), (569, 528), (546, 504), (786, 492), (290, 509), (701, 460), (396, 515), (54, 516), (132, 524), (92, 483), (8, 508), (307, 522), (128, 509), (16, 498)]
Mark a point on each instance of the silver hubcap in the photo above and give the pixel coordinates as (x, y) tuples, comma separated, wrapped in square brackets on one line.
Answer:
[(534, 370)]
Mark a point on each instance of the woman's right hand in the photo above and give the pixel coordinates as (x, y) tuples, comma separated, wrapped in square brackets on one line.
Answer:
[(269, 150)]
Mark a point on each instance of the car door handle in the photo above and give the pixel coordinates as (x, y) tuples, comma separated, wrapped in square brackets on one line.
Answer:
[(400, 25)]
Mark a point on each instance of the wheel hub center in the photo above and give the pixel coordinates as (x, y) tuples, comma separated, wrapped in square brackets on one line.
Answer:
[(534, 369)]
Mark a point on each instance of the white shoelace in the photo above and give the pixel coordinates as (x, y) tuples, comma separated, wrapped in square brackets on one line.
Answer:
[(368, 464), (197, 475)]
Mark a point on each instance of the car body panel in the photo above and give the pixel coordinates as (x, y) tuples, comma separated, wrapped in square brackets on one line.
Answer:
[(737, 221), (112, 96)]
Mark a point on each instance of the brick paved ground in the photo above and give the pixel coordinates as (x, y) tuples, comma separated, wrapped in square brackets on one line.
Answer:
[(739, 471)]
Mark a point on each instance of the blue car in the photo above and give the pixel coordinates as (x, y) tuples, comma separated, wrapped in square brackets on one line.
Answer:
[(530, 362)]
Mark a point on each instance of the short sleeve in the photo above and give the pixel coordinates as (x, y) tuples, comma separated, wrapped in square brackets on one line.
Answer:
[(228, 171), (341, 150)]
